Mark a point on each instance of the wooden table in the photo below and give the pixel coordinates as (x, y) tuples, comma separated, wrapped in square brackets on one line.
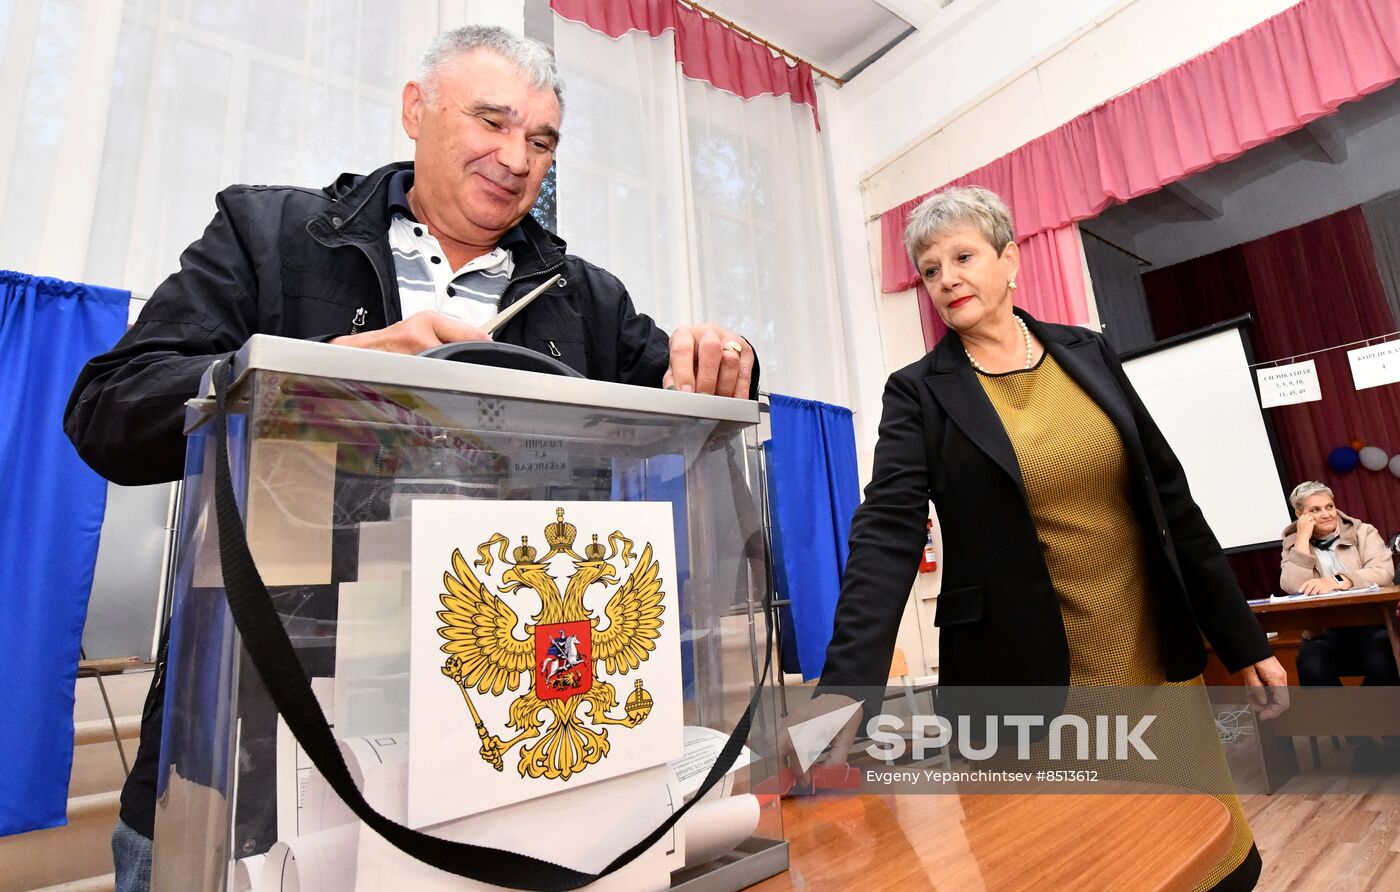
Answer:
[(1313, 713), (992, 842), (1289, 618), (1333, 611)]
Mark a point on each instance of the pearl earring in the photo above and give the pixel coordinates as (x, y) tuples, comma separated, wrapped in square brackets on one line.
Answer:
[(1011, 283)]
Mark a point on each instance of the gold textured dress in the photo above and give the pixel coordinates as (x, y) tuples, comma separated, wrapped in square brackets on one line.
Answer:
[(1077, 481)]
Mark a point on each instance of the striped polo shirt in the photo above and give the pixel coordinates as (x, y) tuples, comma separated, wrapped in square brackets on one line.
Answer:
[(470, 294)]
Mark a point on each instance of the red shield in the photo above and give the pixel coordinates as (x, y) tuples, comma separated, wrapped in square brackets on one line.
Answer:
[(563, 659)]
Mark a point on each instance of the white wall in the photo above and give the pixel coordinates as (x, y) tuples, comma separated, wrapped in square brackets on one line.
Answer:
[(1002, 72), (988, 76), (967, 51)]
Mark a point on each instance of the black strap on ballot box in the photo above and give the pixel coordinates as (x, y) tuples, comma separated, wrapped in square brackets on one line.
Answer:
[(266, 642)]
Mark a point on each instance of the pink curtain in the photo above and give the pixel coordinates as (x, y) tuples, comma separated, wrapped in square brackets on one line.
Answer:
[(1297, 66), (1052, 276), (705, 49), (1051, 283), (929, 320)]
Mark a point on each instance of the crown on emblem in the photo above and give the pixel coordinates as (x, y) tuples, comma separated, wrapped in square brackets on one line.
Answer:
[(560, 535), (596, 551), (524, 552)]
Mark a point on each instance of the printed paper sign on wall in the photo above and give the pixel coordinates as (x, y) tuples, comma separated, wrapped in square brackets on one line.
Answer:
[(1285, 385), (1375, 365), (544, 665)]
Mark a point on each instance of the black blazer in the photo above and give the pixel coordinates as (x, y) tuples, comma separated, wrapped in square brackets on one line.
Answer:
[(941, 440)]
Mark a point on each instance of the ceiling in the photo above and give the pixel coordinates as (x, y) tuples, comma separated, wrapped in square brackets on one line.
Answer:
[(838, 36), (1336, 162)]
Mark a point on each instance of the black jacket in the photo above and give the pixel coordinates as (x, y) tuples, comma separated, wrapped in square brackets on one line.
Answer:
[(302, 263), (941, 440)]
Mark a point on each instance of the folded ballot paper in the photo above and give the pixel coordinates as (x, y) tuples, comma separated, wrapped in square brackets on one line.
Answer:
[(702, 748), (332, 850)]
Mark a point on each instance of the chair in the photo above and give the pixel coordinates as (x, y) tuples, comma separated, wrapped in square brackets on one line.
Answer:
[(1394, 543), (910, 688), (899, 671)]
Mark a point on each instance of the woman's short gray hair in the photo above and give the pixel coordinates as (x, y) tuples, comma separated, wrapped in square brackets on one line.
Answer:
[(955, 208), (532, 58), (1306, 490)]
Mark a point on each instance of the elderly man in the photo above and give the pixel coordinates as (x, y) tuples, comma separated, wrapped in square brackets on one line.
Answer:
[(408, 257)]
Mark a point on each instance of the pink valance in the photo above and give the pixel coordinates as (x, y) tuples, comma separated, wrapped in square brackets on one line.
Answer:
[(705, 49), (1268, 81)]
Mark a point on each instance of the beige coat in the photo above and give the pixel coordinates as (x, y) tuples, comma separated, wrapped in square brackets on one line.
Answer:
[(1360, 548)]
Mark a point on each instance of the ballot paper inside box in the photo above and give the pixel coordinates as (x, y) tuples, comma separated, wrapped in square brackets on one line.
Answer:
[(539, 588)]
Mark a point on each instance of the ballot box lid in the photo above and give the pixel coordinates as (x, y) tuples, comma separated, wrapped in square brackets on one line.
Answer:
[(311, 358)]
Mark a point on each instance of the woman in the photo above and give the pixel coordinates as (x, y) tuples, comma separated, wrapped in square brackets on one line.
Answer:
[(1326, 551), (1074, 553)]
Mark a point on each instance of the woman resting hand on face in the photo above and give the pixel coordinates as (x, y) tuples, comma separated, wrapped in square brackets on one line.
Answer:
[(1326, 551)]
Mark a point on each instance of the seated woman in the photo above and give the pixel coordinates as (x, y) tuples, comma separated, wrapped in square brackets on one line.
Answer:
[(1327, 551)]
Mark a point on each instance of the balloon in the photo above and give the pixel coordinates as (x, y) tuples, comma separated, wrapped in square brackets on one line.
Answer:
[(1395, 465), (1358, 444), (1373, 458), (1343, 459)]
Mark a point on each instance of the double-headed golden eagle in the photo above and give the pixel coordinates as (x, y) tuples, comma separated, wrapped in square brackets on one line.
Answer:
[(566, 649)]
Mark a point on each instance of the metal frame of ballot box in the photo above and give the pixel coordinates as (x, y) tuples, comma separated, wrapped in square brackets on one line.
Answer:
[(329, 449)]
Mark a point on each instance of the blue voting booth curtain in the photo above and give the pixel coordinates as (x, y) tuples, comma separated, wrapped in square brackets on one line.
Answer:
[(50, 517), (662, 479), (815, 489)]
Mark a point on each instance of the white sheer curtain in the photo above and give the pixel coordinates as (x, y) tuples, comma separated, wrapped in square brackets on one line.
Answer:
[(709, 207), (131, 114), (619, 169)]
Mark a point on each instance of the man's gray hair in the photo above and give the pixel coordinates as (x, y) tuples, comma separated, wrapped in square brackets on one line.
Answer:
[(532, 58), (1305, 490), (953, 209)]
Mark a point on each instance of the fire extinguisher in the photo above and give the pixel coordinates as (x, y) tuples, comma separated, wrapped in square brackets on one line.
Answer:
[(929, 561)]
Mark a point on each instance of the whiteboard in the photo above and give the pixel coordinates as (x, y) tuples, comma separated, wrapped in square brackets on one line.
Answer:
[(1201, 394)]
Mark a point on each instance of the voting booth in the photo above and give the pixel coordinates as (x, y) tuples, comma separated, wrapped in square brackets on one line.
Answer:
[(513, 610)]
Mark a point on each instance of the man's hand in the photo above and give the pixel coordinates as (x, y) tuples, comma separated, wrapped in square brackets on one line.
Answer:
[(1267, 685), (814, 708), (415, 334), (706, 358)]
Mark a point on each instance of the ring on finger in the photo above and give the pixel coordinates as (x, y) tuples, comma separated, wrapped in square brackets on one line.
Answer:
[(735, 346)]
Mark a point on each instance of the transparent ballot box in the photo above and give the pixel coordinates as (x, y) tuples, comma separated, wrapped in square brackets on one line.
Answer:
[(531, 608)]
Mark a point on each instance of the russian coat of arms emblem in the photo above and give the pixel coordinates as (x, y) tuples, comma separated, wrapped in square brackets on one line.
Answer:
[(568, 652)]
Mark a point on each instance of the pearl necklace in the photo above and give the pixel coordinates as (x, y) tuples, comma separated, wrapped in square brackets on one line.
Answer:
[(1030, 349)]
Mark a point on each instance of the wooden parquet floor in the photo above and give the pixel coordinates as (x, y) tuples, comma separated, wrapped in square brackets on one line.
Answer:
[(1327, 829)]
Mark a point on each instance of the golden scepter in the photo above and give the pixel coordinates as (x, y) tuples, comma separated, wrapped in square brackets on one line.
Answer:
[(490, 747)]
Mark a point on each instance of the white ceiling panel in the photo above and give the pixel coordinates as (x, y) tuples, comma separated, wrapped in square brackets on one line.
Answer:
[(840, 36)]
